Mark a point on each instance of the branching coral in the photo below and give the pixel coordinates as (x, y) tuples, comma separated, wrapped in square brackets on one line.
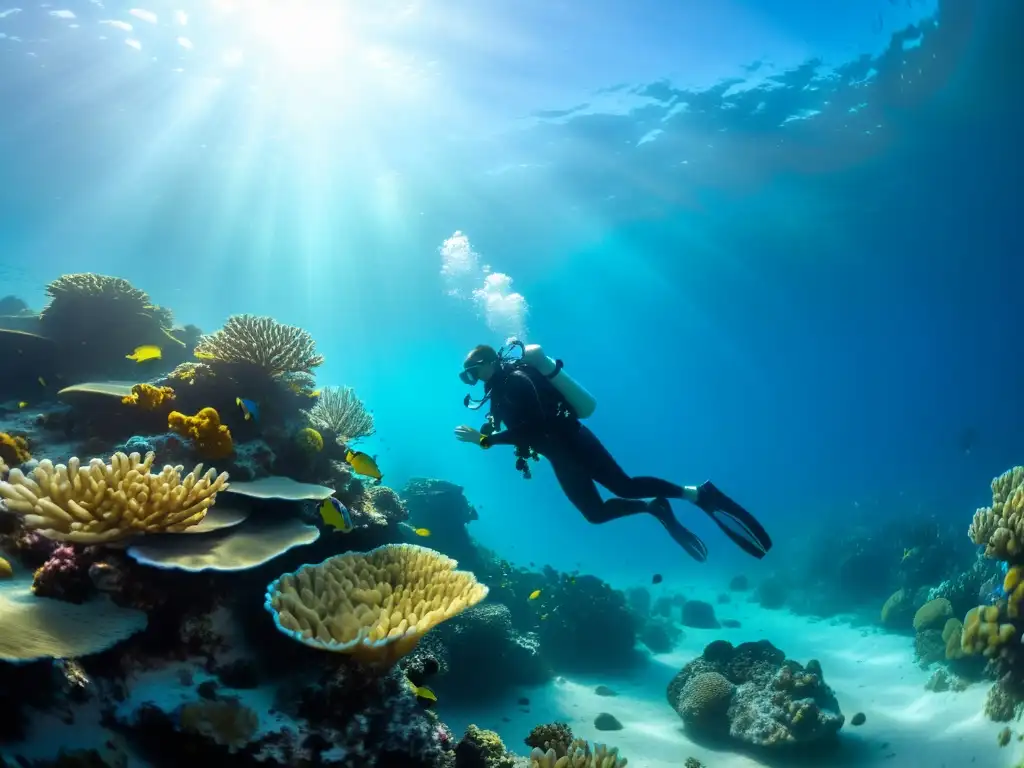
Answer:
[(579, 755), (339, 410), (212, 440), (148, 397), (1000, 527), (374, 605), (102, 502), (276, 348)]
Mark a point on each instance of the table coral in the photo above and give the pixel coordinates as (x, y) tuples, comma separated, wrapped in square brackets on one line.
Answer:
[(373, 605), (101, 503), (212, 440)]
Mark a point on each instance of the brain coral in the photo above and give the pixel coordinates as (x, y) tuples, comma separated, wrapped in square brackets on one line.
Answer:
[(373, 605), (705, 697)]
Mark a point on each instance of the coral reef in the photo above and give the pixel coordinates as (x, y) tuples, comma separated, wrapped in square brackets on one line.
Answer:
[(754, 695), (263, 343), (340, 413)]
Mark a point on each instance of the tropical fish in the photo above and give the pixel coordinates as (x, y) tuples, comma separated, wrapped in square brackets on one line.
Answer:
[(657, 579), (422, 692), (534, 595), (22, 404), (249, 408), (543, 616), (335, 514), (315, 393), (145, 352), (363, 464), (42, 381), (422, 532)]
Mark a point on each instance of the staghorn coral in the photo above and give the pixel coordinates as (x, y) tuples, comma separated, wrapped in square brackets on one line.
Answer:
[(1000, 527), (339, 410), (579, 755), (102, 502), (148, 397), (212, 440), (375, 605), (263, 342), (13, 450)]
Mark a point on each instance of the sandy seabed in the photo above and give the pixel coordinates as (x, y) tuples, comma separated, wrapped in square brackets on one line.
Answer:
[(870, 671)]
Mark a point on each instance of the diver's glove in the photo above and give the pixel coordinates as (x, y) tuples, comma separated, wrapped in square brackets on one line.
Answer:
[(485, 441)]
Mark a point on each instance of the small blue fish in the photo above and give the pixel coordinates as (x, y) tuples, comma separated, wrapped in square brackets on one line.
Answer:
[(336, 515), (249, 408)]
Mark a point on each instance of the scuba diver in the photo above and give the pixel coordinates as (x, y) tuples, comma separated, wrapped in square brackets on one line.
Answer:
[(540, 407)]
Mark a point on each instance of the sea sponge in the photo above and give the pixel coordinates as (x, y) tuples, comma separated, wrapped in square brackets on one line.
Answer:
[(212, 440), (310, 440), (1000, 528), (704, 698), (372, 605), (932, 614), (102, 503), (263, 342), (148, 397), (13, 449), (340, 412), (579, 755)]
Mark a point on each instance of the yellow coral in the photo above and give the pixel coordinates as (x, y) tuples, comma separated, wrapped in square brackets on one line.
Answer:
[(1000, 528), (149, 397), (952, 635), (310, 440), (372, 605), (6, 571), (212, 440), (13, 450), (894, 606), (102, 503), (932, 614), (579, 755), (983, 633)]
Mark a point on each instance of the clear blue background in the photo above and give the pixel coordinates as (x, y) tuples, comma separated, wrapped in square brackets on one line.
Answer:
[(805, 284)]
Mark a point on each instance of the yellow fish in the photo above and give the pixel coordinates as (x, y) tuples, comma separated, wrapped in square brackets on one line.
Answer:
[(534, 595), (335, 514), (315, 393), (363, 464), (145, 352), (422, 692), (22, 404), (422, 531)]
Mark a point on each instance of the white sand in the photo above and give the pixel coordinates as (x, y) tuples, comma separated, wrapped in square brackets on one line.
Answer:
[(870, 672)]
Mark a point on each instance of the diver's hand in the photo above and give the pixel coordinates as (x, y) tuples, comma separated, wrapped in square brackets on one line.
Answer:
[(466, 434)]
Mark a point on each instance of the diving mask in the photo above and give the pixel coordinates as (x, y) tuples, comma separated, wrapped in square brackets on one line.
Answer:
[(469, 376)]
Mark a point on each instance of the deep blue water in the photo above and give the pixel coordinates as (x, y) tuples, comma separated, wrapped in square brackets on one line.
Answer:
[(804, 283)]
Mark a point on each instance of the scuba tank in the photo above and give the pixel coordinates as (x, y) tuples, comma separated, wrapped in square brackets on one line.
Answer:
[(582, 402)]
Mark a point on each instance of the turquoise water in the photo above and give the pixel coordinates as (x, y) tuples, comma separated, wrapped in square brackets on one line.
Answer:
[(776, 240)]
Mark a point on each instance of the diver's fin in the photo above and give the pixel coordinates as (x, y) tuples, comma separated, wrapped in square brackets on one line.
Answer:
[(683, 536), (736, 523)]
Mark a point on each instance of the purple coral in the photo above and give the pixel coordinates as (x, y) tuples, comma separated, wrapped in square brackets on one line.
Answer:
[(64, 576)]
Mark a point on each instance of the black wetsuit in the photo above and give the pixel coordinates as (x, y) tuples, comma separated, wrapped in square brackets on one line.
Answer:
[(536, 416)]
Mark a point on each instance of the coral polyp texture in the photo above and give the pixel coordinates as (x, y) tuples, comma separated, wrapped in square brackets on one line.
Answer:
[(101, 503), (339, 411), (1000, 527), (375, 605), (212, 440), (579, 755), (261, 342)]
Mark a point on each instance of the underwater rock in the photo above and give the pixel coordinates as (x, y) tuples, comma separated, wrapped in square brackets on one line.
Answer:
[(699, 615), (607, 722), (772, 593), (639, 601), (604, 690), (730, 624), (929, 647), (754, 695), (739, 583), (659, 636), (858, 719)]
